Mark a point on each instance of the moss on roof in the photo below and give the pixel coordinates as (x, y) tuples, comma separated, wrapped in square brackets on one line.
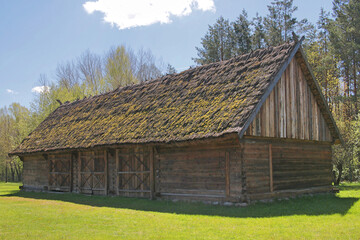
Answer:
[(206, 101)]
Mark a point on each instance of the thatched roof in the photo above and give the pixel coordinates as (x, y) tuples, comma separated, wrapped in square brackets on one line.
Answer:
[(206, 101)]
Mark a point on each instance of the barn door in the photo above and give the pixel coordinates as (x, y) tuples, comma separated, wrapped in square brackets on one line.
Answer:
[(133, 168), (60, 172), (93, 172)]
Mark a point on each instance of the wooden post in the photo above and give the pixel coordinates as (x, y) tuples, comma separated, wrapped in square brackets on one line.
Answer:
[(106, 171), (79, 171), (46, 157), (117, 171), (271, 169), (152, 176), (71, 172), (227, 174)]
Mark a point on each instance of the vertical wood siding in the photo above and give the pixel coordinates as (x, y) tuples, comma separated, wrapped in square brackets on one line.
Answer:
[(291, 110)]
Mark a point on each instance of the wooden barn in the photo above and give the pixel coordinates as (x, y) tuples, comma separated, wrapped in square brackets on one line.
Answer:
[(249, 128)]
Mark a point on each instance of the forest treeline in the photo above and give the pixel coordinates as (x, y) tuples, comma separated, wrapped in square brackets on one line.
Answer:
[(331, 44)]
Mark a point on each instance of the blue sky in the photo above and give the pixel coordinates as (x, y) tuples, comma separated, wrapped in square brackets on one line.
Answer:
[(37, 35)]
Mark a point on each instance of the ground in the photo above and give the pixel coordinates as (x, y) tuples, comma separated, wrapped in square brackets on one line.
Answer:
[(26, 215)]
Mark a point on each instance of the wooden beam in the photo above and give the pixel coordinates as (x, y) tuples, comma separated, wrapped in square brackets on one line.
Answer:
[(227, 174), (71, 172), (117, 170), (106, 172), (152, 174), (46, 157), (271, 169), (79, 171)]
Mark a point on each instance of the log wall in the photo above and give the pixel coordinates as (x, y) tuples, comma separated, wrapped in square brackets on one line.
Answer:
[(227, 170), (35, 172), (291, 110), (279, 167)]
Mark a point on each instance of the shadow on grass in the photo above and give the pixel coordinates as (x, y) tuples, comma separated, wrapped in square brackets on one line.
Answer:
[(325, 204)]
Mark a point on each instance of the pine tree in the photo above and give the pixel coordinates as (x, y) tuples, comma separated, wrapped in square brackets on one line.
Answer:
[(279, 23), (241, 34), (345, 37), (258, 36), (216, 44)]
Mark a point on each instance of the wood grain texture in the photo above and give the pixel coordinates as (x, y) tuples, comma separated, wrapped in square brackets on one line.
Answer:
[(291, 110)]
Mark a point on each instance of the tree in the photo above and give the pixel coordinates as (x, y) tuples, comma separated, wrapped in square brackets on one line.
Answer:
[(170, 69), (345, 37), (91, 72), (14, 126), (216, 44), (279, 23), (258, 36), (143, 65), (241, 36), (118, 72), (67, 74)]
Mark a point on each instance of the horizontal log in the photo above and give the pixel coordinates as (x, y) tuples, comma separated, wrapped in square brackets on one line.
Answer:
[(133, 172), (134, 191), (188, 195)]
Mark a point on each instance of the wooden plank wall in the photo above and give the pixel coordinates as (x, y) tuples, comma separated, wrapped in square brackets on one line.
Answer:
[(92, 172), (132, 174), (275, 165), (204, 171), (192, 172), (61, 171), (291, 110), (256, 164), (301, 165), (35, 172)]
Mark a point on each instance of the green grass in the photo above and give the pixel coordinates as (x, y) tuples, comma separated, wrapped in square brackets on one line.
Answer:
[(25, 215)]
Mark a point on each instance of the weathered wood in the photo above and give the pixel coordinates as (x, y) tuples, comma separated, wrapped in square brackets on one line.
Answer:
[(271, 169), (106, 171), (296, 114), (227, 173), (270, 88), (152, 174), (79, 171)]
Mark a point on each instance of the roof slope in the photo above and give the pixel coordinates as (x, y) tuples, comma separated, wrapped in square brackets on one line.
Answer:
[(207, 101)]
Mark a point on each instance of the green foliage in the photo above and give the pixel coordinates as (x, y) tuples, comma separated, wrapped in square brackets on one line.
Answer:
[(258, 36), (14, 126), (74, 216), (279, 23), (118, 72), (241, 34), (226, 39), (217, 43)]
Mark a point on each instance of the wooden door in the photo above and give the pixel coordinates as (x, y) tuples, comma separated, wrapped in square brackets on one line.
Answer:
[(60, 172), (133, 172), (93, 172)]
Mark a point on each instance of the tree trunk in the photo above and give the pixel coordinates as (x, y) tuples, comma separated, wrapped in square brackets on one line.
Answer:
[(355, 87), (6, 172), (340, 168), (12, 172), (17, 170)]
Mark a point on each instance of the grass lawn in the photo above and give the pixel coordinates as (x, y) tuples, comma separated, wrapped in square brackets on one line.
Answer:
[(25, 215)]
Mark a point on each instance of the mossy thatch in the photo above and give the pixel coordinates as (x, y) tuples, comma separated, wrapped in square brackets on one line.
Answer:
[(206, 101)]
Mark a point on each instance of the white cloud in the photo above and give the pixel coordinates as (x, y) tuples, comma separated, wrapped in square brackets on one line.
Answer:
[(40, 89), (11, 91), (134, 13)]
